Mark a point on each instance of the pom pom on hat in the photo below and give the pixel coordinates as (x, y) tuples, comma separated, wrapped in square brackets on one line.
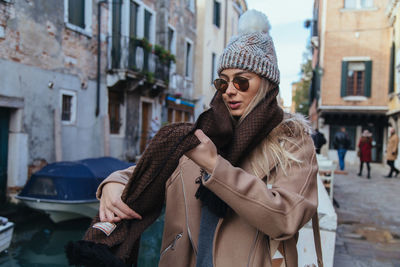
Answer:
[(252, 48), (253, 21)]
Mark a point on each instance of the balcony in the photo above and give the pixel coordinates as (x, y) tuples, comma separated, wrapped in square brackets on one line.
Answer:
[(139, 59)]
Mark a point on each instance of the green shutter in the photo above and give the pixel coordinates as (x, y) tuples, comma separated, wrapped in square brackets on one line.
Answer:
[(217, 10), (344, 78), (368, 76), (391, 72), (116, 34)]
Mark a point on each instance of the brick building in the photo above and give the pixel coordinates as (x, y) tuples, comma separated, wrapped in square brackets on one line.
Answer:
[(53, 100), (351, 58), (148, 83)]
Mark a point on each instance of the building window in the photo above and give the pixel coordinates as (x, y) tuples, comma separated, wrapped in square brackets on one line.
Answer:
[(147, 34), (217, 13), (171, 40), (115, 101), (78, 15), (133, 21), (358, 4), (392, 69), (188, 60), (356, 78), (116, 34), (68, 106), (213, 67), (133, 14), (175, 115), (147, 24), (191, 5), (76, 12)]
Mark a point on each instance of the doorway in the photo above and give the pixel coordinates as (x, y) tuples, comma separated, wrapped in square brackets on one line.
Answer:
[(4, 124)]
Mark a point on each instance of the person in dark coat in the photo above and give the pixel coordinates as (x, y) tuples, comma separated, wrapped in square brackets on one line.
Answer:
[(319, 140), (341, 142), (365, 147)]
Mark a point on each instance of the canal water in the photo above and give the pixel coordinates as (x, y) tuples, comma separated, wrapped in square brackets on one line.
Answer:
[(38, 242)]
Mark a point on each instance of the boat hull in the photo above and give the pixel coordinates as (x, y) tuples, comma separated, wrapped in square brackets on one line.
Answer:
[(60, 211), (6, 232)]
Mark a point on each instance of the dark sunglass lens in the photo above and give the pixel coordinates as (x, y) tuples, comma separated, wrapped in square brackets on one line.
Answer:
[(221, 85), (241, 84)]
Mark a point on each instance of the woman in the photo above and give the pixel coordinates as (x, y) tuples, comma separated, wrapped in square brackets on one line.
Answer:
[(218, 214), (391, 153), (365, 146)]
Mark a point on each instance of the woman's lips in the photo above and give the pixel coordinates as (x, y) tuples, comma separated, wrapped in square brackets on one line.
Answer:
[(234, 105)]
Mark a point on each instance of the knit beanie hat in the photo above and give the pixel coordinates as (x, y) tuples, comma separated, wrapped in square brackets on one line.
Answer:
[(252, 49)]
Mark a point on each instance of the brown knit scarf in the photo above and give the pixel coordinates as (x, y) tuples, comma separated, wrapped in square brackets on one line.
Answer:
[(144, 192)]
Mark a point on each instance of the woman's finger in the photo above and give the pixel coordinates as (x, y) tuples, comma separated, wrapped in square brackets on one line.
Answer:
[(109, 215), (125, 212), (123, 215), (102, 214), (201, 136)]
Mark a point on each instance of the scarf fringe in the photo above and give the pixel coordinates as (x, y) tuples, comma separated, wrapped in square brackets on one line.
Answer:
[(90, 254)]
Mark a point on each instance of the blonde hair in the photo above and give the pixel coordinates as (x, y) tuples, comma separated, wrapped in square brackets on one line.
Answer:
[(273, 145)]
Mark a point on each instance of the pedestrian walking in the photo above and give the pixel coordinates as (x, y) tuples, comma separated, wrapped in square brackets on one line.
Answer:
[(341, 143), (391, 153), (319, 140), (216, 195), (364, 151)]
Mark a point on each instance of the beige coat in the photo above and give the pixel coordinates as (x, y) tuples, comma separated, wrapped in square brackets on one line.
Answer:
[(392, 149), (264, 218)]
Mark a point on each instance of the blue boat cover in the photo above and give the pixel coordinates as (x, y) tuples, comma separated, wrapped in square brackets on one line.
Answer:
[(71, 180)]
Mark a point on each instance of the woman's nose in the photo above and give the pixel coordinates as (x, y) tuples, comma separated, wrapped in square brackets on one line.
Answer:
[(231, 90)]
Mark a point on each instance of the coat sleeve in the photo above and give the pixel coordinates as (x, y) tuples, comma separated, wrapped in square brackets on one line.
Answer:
[(280, 211), (121, 176)]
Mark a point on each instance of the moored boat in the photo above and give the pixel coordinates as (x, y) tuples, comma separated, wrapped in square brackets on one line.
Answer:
[(67, 190), (6, 232)]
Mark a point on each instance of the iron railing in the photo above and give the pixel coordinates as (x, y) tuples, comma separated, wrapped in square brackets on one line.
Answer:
[(130, 54)]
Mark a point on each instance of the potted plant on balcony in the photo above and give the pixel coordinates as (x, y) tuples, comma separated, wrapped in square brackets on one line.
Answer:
[(143, 42), (164, 55)]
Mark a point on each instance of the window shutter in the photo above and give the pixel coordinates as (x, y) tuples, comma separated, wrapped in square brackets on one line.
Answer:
[(217, 7), (116, 34), (344, 78), (391, 72), (368, 78)]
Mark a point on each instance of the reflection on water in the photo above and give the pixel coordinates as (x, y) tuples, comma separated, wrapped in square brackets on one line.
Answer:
[(40, 243)]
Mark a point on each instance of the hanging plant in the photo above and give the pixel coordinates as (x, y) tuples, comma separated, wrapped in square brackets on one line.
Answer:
[(158, 50), (150, 77), (143, 42), (171, 57), (164, 55)]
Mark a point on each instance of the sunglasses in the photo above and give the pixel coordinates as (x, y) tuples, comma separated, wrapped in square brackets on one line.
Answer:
[(240, 83)]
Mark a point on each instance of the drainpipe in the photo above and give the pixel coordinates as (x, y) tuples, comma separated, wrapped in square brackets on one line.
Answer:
[(98, 55), (226, 22)]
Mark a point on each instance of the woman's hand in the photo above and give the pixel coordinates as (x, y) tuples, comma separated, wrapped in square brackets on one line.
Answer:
[(205, 154), (112, 208)]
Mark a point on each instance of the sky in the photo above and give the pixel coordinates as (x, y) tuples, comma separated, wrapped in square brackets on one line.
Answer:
[(289, 35)]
